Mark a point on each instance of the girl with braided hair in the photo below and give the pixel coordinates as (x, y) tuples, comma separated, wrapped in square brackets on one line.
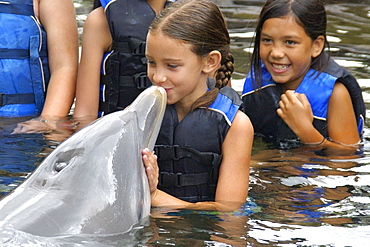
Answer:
[(202, 154)]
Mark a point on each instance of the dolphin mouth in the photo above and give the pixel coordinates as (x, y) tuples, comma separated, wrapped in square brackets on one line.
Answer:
[(158, 102), (159, 92)]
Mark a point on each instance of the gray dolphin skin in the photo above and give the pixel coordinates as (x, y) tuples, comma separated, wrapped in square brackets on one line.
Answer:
[(94, 182)]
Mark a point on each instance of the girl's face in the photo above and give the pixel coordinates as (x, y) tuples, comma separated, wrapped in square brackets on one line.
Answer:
[(173, 66), (287, 51)]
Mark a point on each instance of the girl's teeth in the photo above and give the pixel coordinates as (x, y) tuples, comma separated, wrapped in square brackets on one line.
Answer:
[(277, 66)]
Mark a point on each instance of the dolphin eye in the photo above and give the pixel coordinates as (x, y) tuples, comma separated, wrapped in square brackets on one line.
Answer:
[(60, 166), (63, 159)]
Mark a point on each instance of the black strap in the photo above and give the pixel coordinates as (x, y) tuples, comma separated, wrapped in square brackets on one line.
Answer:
[(139, 80), (21, 98), (168, 179), (133, 46), (175, 152)]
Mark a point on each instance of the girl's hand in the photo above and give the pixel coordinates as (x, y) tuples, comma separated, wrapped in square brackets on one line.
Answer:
[(151, 168), (296, 111)]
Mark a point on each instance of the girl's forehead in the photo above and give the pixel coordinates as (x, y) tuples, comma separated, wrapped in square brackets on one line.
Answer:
[(287, 20), (163, 41), (290, 17), (164, 47)]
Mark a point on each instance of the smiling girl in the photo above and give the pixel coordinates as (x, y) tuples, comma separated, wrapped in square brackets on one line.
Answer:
[(205, 141), (295, 93)]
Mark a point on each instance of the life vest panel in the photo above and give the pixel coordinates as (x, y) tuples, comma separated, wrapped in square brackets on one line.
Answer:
[(189, 152), (124, 70), (318, 88), (24, 71)]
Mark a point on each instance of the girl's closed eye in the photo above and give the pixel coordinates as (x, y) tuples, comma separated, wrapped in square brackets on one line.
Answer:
[(172, 66), (150, 62)]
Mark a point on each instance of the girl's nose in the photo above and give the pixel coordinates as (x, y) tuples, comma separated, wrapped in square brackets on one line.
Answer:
[(277, 52), (159, 78)]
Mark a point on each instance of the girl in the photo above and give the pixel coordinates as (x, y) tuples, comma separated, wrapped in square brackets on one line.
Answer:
[(205, 142), (294, 91), (113, 68)]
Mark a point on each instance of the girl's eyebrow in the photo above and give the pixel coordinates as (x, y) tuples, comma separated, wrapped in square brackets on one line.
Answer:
[(172, 59), (285, 37)]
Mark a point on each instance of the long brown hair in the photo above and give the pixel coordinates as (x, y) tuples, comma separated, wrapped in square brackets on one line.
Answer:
[(310, 14), (201, 24)]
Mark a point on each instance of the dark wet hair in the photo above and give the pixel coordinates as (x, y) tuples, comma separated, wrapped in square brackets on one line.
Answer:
[(309, 14), (201, 24)]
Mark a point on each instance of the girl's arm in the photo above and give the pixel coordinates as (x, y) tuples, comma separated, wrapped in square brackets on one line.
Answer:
[(233, 181), (342, 125), (59, 20), (296, 111), (96, 40)]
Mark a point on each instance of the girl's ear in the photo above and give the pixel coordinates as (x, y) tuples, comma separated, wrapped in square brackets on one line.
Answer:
[(212, 62), (318, 46)]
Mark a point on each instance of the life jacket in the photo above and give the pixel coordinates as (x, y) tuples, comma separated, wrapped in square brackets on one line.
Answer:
[(124, 69), (24, 71), (190, 152), (261, 104)]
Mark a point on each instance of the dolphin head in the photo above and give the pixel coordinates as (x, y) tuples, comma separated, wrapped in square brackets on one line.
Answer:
[(94, 182)]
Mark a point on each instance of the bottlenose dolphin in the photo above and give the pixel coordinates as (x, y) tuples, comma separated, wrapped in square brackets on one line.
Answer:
[(94, 182)]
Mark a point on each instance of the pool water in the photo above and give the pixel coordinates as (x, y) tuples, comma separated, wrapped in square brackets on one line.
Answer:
[(296, 197)]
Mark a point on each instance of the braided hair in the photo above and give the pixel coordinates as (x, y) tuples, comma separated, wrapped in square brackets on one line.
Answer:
[(201, 24)]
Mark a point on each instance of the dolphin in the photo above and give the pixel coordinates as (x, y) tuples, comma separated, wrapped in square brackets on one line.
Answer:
[(94, 182)]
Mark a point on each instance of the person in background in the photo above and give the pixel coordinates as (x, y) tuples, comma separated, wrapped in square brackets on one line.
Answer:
[(295, 93), (112, 71), (203, 150), (38, 61)]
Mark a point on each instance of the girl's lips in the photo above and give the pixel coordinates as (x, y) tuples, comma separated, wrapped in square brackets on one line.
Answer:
[(167, 89), (279, 68)]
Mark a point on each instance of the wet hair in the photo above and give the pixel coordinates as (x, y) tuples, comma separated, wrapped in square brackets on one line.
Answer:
[(309, 14), (201, 24)]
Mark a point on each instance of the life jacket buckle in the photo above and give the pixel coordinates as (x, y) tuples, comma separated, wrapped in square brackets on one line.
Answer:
[(137, 46), (142, 80), (176, 153), (139, 50)]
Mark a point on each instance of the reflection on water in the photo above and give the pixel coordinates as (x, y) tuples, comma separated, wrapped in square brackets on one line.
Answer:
[(301, 198)]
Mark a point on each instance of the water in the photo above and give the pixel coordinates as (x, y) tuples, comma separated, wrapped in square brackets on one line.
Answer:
[(297, 198)]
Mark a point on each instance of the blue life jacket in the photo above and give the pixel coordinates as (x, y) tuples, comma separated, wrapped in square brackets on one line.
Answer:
[(261, 104), (190, 151), (124, 69), (24, 71)]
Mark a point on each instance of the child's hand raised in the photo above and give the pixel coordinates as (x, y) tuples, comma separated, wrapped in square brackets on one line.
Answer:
[(296, 111)]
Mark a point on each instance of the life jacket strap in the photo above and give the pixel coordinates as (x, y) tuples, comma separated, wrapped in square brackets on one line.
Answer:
[(167, 179), (175, 152), (139, 80), (18, 53), (133, 45), (20, 98)]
